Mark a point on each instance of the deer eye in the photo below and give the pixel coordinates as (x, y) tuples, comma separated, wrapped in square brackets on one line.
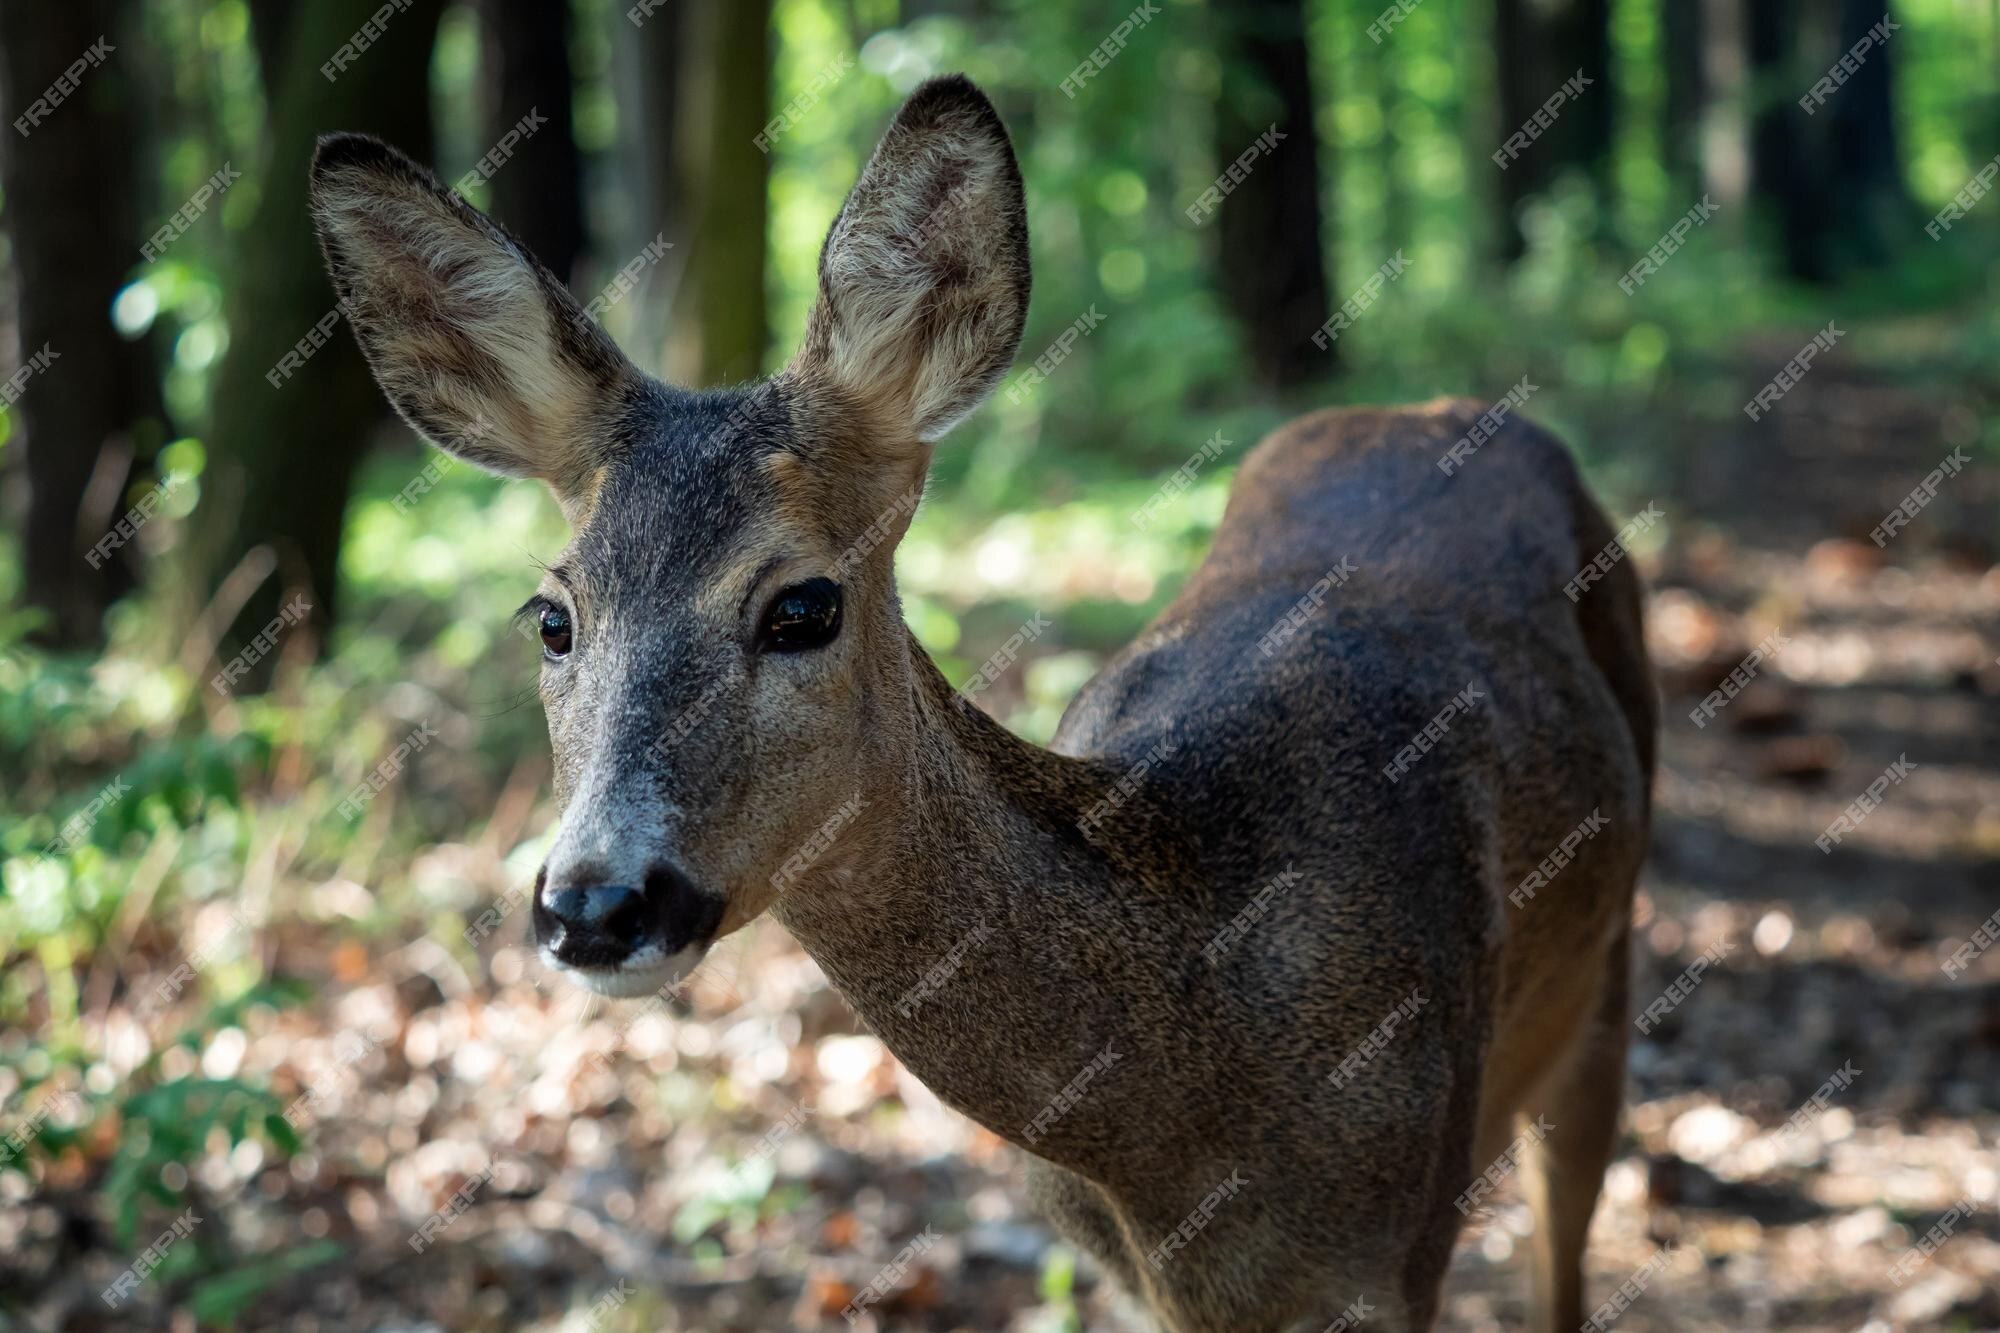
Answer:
[(555, 631), (802, 617)]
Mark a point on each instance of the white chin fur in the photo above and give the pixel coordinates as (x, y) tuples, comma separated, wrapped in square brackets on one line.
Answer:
[(645, 973)]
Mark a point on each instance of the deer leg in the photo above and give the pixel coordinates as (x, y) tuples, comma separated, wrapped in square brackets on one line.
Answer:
[(1561, 1173), (1076, 1209)]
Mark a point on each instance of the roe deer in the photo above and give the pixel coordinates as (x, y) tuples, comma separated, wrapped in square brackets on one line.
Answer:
[(1234, 959)]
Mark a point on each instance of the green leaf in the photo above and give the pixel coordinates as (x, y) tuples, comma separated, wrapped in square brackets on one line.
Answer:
[(220, 1299)]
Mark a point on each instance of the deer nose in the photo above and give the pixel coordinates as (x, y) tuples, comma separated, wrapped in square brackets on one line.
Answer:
[(592, 925), (583, 922)]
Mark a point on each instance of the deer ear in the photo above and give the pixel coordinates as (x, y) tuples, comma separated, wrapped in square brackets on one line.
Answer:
[(923, 282), (478, 346)]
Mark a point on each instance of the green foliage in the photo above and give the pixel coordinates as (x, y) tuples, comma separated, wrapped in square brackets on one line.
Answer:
[(220, 1301)]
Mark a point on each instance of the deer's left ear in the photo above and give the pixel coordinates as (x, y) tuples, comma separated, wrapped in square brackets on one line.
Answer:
[(923, 282), (478, 346)]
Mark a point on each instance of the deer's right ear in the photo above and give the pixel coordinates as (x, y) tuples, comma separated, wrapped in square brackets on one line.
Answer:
[(478, 346), (923, 281)]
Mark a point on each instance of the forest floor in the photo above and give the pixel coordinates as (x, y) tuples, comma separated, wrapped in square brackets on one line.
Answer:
[(750, 1159)]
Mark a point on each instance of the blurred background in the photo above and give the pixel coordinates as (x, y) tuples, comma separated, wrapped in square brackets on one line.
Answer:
[(273, 1049)]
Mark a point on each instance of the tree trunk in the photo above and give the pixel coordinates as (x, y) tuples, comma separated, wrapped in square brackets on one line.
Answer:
[(92, 420), (1270, 238), (1686, 94), (1868, 165), (539, 196), (646, 70), (725, 90), (292, 421), (1725, 142), (1540, 47), (1788, 176)]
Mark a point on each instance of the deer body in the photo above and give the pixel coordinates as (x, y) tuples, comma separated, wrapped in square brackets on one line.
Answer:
[(1235, 960), (1222, 1067)]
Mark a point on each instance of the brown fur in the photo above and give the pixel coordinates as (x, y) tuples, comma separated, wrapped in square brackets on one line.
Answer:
[(1004, 915)]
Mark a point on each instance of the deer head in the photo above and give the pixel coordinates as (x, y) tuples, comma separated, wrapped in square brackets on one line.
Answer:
[(725, 666)]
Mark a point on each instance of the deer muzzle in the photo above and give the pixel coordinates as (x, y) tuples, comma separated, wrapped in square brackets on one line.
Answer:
[(621, 938)]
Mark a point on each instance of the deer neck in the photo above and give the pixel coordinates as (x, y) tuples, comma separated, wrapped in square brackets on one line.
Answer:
[(965, 921)]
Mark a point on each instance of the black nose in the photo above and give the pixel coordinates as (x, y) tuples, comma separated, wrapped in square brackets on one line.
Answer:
[(596, 925), (588, 924)]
